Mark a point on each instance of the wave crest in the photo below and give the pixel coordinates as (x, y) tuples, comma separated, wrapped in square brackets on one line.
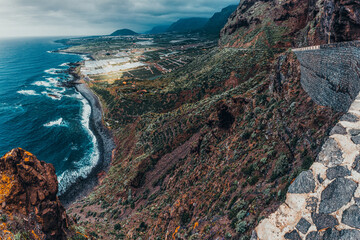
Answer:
[(59, 122), (28, 92)]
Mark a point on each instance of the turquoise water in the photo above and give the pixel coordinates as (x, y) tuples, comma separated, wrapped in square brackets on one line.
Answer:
[(38, 114)]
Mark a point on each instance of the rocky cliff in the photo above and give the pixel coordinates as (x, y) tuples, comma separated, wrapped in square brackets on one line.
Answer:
[(207, 150), (29, 206), (210, 150), (302, 23)]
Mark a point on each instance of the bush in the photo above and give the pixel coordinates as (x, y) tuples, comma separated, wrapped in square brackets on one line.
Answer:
[(76, 237), (185, 218), (117, 227), (281, 166), (245, 135), (253, 180), (241, 227), (241, 215), (307, 162), (142, 227), (25, 236)]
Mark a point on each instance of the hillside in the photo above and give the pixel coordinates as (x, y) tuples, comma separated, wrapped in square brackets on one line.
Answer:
[(302, 23), (216, 119), (214, 148), (123, 32), (158, 29), (186, 25), (218, 20), (210, 149)]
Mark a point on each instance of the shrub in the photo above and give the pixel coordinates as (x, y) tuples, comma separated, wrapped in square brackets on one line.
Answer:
[(142, 227), (307, 162), (117, 227), (245, 135), (241, 227), (241, 215), (185, 218), (253, 180), (76, 237), (281, 166)]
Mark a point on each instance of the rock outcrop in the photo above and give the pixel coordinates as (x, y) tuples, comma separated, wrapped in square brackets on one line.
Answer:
[(305, 23), (28, 200)]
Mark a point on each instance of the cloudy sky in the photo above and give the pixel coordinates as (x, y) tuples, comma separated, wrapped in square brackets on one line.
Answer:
[(92, 17)]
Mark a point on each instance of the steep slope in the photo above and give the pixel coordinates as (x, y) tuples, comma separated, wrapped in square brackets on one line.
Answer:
[(158, 29), (206, 151), (186, 25), (210, 149), (218, 20), (304, 22)]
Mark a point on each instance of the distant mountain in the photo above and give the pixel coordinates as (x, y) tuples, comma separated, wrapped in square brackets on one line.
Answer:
[(188, 25), (124, 32), (158, 29), (218, 20)]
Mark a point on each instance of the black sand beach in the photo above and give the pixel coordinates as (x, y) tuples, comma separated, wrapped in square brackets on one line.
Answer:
[(83, 186)]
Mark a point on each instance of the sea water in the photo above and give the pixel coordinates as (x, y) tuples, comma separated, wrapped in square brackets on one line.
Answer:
[(41, 116)]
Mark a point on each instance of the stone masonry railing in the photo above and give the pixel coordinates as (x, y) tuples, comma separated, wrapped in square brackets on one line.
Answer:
[(323, 203), (330, 74), (306, 48)]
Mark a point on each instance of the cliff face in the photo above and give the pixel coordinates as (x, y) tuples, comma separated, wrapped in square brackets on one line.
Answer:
[(209, 150), (303, 23), (28, 201)]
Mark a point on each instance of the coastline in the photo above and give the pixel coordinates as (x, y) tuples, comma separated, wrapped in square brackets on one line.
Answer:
[(83, 186)]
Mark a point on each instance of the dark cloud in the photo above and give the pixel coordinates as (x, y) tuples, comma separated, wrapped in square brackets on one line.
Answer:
[(84, 17)]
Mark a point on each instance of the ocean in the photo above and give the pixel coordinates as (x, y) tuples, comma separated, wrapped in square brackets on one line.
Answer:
[(38, 114)]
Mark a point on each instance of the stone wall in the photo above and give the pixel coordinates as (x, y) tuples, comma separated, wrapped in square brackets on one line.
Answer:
[(330, 74), (323, 203)]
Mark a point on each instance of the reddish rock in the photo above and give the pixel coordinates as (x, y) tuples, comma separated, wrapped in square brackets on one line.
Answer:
[(28, 189), (307, 23)]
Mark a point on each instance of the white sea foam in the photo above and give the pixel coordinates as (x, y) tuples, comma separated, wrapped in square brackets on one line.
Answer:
[(42, 84), (28, 92), (50, 82), (59, 122), (64, 64), (84, 57), (69, 177), (53, 80), (52, 71)]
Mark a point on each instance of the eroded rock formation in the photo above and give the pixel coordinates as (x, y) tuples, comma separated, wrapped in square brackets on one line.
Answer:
[(28, 189), (305, 23)]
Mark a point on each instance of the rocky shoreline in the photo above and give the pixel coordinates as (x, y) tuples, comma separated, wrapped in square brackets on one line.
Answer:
[(106, 144)]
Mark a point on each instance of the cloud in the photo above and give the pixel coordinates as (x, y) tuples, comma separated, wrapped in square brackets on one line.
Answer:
[(87, 17)]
